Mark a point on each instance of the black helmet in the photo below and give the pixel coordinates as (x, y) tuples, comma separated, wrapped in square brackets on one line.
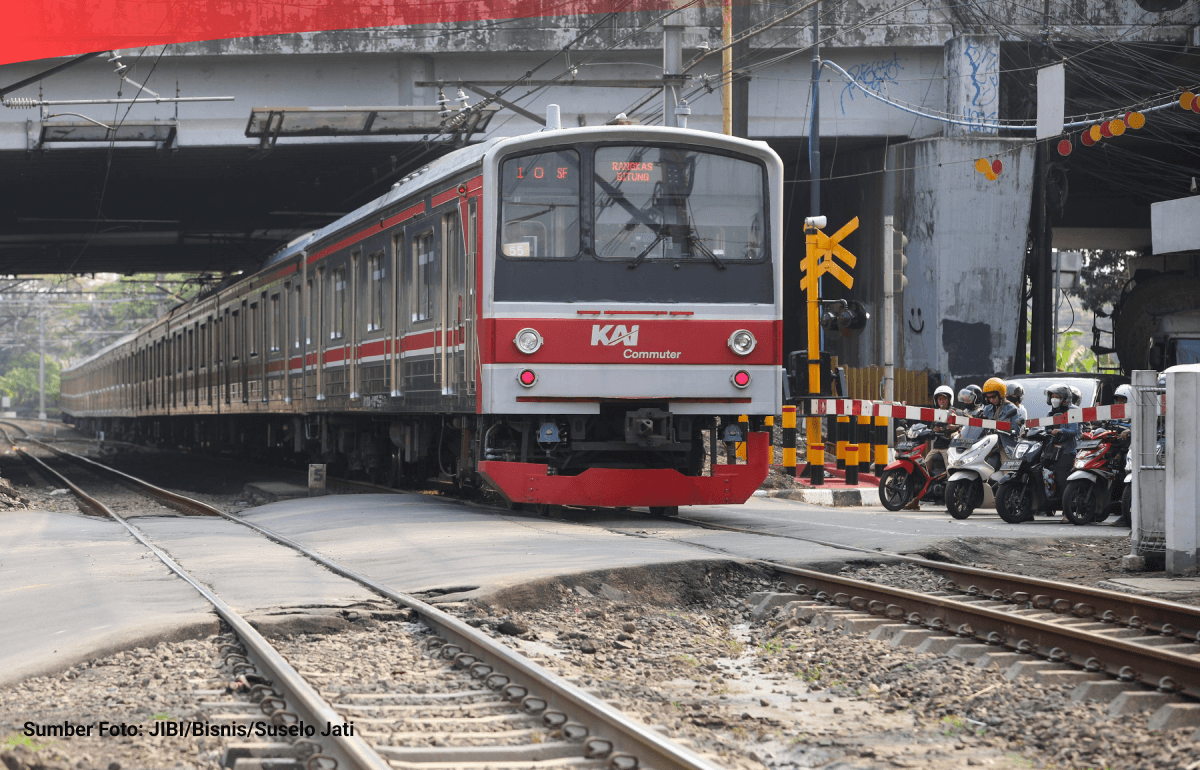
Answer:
[(972, 394), (1015, 392), (1076, 395)]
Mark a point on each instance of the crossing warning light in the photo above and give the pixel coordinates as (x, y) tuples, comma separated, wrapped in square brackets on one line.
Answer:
[(899, 260), (1064, 147), (846, 316), (1187, 100)]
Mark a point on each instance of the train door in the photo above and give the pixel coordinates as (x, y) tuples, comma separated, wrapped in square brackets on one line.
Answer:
[(427, 290), (451, 300), (374, 375), (398, 312), (470, 343), (319, 323), (352, 301)]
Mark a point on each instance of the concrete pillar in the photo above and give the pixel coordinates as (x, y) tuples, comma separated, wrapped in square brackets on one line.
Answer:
[(972, 82), (1183, 470), (966, 246)]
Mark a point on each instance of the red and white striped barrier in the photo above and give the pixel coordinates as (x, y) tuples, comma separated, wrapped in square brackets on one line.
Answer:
[(856, 407), (1087, 414)]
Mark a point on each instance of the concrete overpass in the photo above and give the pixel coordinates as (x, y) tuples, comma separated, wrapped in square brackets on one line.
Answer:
[(183, 187)]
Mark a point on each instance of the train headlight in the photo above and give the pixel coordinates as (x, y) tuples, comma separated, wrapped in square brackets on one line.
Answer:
[(742, 342), (527, 378), (528, 341), (740, 378)]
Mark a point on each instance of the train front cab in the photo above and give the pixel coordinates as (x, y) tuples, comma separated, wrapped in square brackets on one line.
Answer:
[(632, 312)]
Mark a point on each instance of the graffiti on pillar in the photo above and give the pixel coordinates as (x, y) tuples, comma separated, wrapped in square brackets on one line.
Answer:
[(915, 315), (982, 87), (874, 75)]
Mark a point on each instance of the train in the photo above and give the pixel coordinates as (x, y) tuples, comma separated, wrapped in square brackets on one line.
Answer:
[(576, 316)]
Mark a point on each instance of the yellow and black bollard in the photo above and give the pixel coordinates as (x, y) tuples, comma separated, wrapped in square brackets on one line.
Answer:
[(881, 444), (864, 446), (789, 440), (744, 421), (842, 434), (852, 453)]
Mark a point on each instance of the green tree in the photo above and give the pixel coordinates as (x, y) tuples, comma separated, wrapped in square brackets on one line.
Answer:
[(20, 382), (1101, 279)]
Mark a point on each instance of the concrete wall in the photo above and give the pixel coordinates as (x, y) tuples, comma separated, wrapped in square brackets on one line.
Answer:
[(966, 250)]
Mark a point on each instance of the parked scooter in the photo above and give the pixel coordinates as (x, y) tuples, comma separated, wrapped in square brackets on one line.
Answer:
[(1034, 479), (975, 456), (908, 478), (1095, 484)]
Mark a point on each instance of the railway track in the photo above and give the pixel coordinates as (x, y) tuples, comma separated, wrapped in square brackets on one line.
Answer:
[(1103, 634), (480, 700)]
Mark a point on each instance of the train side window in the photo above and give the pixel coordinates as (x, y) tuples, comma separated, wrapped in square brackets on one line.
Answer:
[(251, 331), (276, 323), (293, 318), (235, 348), (339, 304), (375, 274), (427, 278), (311, 321)]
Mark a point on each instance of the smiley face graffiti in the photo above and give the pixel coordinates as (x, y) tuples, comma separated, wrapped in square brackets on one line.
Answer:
[(915, 315)]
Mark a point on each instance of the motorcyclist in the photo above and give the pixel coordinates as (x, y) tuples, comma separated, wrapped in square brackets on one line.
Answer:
[(1123, 395), (1059, 397), (943, 398), (972, 400), (997, 407), (1016, 394)]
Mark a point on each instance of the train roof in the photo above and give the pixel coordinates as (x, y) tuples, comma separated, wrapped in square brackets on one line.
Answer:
[(443, 167)]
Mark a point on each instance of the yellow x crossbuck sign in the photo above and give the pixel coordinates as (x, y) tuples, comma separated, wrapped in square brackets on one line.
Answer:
[(821, 249)]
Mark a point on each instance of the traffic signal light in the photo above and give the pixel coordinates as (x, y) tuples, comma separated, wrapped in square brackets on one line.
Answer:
[(899, 260), (846, 316)]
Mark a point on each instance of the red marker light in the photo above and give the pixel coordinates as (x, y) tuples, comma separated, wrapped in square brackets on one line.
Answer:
[(1064, 147), (741, 378), (997, 166), (527, 378)]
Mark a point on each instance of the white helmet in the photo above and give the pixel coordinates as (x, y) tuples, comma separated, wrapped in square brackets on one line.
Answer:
[(1076, 395), (944, 390), (1124, 391)]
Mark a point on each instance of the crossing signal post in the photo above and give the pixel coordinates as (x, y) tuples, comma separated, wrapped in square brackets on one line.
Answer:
[(899, 260), (819, 259)]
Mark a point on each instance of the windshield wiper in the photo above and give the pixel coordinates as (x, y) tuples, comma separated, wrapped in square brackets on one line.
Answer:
[(638, 259), (703, 249)]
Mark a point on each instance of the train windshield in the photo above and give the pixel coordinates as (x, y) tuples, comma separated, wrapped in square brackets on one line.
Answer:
[(671, 203), (634, 223)]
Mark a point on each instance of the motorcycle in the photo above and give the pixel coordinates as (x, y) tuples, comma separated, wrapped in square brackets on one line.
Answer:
[(1094, 485), (1127, 495), (908, 478), (1032, 480), (975, 456)]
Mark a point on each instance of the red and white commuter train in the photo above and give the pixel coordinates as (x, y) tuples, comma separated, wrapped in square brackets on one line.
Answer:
[(564, 316)]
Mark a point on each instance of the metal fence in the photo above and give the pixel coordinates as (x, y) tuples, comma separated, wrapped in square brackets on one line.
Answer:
[(912, 387)]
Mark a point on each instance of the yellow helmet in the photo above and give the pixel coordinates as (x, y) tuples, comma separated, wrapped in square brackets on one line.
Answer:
[(995, 385)]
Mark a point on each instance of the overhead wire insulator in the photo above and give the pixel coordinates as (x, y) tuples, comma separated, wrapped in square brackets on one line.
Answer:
[(21, 103), (462, 100), (443, 105)]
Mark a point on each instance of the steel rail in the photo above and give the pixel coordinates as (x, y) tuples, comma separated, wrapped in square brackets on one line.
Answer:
[(1165, 670), (1157, 615), (625, 743), (351, 750)]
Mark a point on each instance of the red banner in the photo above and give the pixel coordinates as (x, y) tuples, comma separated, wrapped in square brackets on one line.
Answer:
[(40, 29)]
